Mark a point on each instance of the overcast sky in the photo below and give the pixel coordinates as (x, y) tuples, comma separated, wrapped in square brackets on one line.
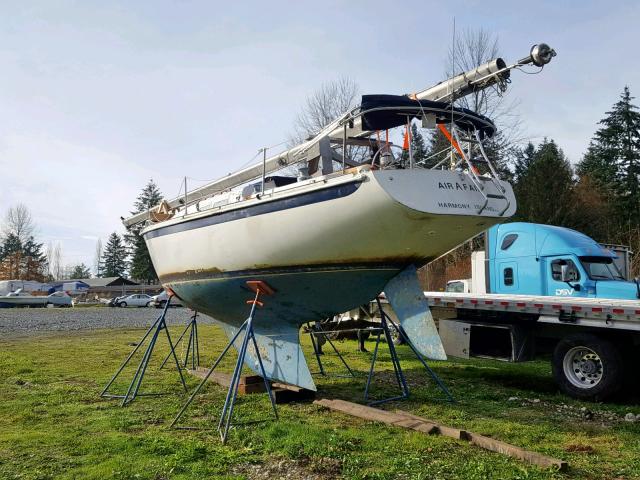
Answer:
[(96, 98)]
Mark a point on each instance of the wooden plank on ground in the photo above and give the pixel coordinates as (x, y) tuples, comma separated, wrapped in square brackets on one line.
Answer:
[(442, 429), (407, 420), (377, 415), (498, 446), (516, 452)]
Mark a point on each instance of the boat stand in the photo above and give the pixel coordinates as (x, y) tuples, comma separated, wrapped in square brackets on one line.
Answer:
[(385, 322), (247, 328), (317, 330), (134, 387), (193, 346)]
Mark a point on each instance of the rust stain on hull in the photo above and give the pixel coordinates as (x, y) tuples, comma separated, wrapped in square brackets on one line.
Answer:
[(266, 269)]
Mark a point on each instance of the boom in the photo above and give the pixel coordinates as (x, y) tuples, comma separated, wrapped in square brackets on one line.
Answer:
[(491, 73)]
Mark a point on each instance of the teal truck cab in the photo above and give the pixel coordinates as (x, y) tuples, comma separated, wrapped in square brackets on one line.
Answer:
[(534, 259), (543, 289)]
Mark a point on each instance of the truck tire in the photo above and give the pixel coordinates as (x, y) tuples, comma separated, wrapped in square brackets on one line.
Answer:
[(587, 367)]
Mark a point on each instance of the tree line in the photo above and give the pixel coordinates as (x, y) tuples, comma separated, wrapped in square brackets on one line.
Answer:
[(21, 256), (127, 254), (24, 258)]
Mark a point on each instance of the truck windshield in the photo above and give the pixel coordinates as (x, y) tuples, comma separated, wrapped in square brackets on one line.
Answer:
[(601, 268)]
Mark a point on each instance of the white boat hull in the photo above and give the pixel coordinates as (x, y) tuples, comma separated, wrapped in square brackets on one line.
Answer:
[(325, 247), (396, 216), (22, 301)]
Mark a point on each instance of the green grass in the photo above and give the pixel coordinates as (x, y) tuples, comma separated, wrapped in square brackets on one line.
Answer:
[(53, 424)]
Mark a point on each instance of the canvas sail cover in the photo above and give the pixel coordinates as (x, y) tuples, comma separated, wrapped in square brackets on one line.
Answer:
[(381, 112)]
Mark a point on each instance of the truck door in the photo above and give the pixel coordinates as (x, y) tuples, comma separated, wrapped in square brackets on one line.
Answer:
[(553, 275), (507, 277)]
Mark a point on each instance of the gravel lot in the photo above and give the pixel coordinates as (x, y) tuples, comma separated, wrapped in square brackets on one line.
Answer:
[(28, 321)]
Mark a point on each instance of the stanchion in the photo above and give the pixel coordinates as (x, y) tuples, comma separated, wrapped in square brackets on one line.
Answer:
[(224, 423), (193, 345), (134, 387), (315, 331), (385, 320)]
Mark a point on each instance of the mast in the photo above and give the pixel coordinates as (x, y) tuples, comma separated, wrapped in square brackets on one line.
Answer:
[(491, 73)]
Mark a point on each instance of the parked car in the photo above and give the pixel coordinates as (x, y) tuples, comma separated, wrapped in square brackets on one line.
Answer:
[(59, 299), (113, 302), (136, 300), (160, 300)]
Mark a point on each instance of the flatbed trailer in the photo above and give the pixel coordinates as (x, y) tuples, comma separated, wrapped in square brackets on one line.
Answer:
[(594, 341)]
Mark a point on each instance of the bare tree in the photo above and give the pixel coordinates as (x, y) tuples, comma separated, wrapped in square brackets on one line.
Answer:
[(331, 100), (322, 107), (97, 257), (54, 260), (19, 222), (469, 50)]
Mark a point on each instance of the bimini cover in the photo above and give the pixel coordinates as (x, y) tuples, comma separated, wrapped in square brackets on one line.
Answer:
[(380, 112)]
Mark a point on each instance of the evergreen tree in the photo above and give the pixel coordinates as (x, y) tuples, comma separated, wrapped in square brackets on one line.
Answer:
[(10, 257), (34, 261), (439, 147), (22, 261), (418, 147), (141, 266), (599, 168), (593, 214), (613, 158), (495, 148), (114, 257), (522, 161), (544, 192), (10, 245), (80, 271), (149, 197)]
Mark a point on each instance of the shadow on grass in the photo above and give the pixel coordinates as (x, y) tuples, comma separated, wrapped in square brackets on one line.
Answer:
[(476, 377)]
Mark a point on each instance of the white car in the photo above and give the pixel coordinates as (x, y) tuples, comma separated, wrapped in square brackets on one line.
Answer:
[(161, 299), (137, 300)]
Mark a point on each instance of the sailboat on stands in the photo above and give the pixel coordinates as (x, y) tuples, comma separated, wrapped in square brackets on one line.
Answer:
[(328, 240)]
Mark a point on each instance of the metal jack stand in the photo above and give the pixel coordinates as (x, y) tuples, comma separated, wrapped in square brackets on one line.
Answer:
[(317, 330), (402, 383), (247, 327), (193, 347), (134, 387)]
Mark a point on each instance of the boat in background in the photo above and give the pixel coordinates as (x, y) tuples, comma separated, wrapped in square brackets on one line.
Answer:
[(327, 241), (22, 299)]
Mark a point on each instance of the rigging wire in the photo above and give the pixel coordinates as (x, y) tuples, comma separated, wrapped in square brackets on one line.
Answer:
[(529, 73)]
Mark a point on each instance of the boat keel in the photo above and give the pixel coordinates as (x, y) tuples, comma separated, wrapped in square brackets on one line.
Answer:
[(280, 351), (410, 306)]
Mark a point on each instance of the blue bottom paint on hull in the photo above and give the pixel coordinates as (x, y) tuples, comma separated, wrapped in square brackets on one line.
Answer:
[(300, 297)]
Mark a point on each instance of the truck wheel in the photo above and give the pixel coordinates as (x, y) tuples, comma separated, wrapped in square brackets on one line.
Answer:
[(587, 367)]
